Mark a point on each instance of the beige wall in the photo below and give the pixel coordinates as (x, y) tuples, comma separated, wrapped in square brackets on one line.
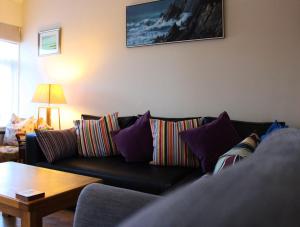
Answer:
[(11, 12), (254, 73)]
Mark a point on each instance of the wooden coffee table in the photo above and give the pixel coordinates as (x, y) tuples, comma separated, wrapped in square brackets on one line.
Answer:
[(61, 191)]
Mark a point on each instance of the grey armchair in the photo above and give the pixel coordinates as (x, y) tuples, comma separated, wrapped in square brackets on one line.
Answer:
[(262, 190), (102, 205)]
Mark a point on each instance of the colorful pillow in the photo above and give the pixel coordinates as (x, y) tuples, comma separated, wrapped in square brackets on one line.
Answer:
[(237, 153), (57, 144), (274, 127), (169, 149), (94, 136), (135, 143), (212, 140), (17, 125)]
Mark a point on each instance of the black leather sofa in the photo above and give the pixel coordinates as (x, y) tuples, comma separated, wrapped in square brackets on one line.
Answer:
[(136, 176)]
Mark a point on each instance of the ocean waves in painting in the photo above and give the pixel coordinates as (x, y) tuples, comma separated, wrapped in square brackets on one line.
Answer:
[(148, 30)]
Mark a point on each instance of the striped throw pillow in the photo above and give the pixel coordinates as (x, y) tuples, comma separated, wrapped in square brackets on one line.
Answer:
[(57, 144), (169, 149), (94, 136), (237, 153)]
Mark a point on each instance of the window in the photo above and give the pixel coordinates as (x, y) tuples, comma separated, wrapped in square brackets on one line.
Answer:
[(9, 88)]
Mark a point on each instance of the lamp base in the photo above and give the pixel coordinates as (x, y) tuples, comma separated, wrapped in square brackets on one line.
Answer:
[(48, 116), (48, 111)]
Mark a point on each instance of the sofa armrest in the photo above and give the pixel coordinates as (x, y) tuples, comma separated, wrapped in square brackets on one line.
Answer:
[(33, 152), (102, 205)]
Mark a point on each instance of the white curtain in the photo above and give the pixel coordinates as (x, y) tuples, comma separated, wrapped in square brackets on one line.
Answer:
[(9, 95)]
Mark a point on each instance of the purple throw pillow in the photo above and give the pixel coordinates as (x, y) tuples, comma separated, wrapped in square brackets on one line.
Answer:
[(135, 143), (212, 140)]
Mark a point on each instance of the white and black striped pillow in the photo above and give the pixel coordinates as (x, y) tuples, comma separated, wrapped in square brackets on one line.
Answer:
[(238, 152), (57, 144)]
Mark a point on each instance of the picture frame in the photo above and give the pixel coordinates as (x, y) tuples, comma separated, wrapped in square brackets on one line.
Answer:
[(49, 42), (173, 21)]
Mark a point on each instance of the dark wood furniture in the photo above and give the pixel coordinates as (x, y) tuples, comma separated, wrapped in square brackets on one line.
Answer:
[(62, 190), (21, 137)]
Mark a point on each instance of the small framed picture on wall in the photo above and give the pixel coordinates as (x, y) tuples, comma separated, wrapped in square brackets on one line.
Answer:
[(49, 42)]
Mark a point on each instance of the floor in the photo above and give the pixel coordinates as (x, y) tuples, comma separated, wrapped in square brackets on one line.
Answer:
[(59, 219)]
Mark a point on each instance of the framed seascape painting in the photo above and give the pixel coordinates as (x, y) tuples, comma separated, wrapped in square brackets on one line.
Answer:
[(49, 42), (167, 21)]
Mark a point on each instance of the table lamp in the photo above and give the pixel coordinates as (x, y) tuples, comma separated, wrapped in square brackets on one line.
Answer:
[(50, 94)]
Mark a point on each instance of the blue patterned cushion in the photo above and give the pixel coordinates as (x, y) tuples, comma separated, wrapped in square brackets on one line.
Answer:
[(274, 127)]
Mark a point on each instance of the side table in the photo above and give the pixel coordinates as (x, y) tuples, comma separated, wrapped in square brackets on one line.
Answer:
[(21, 137)]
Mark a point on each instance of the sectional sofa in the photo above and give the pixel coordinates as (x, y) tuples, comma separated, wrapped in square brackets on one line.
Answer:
[(136, 176)]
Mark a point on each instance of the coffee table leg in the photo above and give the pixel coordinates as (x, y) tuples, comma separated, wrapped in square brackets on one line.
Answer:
[(31, 219)]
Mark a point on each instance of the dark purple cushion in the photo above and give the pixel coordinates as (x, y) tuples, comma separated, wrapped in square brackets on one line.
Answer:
[(135, 143), (212, 140)]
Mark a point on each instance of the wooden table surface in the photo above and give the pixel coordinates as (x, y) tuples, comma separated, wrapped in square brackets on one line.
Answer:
[(61, 191)]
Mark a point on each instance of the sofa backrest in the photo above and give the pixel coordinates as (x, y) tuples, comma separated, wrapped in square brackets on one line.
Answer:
[(262, 191), (124, 122), (244, 128)]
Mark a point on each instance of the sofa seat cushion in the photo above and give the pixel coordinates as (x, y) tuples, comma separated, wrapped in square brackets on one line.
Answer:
[(115, 171)]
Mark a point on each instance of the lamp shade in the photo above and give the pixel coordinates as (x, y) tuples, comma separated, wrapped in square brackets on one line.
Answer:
[(50, 94)]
